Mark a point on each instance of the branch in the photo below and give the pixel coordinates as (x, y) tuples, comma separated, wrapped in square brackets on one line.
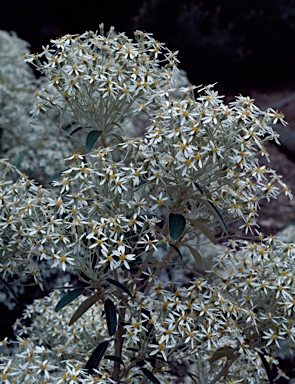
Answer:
[(119, 336), (225, 369)]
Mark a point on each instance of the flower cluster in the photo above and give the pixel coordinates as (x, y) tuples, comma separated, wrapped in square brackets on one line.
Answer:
[(23, 214), (16, 201), (211, 150), (171, 324), (126, 210), (101, 82), (191, 329), (46, 351), (261, 280)]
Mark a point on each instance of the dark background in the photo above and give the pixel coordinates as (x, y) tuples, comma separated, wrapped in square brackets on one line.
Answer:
[(241, 44)]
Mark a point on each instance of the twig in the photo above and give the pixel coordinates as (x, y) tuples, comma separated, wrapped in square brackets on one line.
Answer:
[(225, 369)]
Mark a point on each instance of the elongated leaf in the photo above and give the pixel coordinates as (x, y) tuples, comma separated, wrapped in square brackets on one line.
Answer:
[(199, 188), (68, 298), (222, 352), (96, 356), (220, 216), (176, 249), (266, 366), (114, 358), (68, 127), (91, 139), (197, 256), (54, 177), (141, 363), (204, 230), (177, 224), (216, 213), (111, 315), (75, 130), (119, 285), (83, 308), (150, 376)]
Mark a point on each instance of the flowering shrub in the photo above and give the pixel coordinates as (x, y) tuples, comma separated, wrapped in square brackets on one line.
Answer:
[(17, 88), (126, 214), (261, 279), (35, 148)]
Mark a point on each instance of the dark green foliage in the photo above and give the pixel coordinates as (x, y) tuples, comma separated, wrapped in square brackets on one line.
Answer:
[(176, 249), (111, 316), (177, 225), (68, 298), (114, 358), (266, 366), (150, 376), (83, 308), (119, 285), (91, 139), (216, 213), (96, 356)]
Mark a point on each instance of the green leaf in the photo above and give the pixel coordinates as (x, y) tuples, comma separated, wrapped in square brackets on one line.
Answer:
[(114, 358), (141, 363), (150, 376), (197, 256), (266, 366), (199, 188), (204, 230), (222, 352), (56, 176), (68, 298), (132, 349), (111, 315), (119, 285), (176, 249), (83, 308), (91, 139), (216, 213), (177, 224), (75, 130), (96, 356), (219, 216)]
